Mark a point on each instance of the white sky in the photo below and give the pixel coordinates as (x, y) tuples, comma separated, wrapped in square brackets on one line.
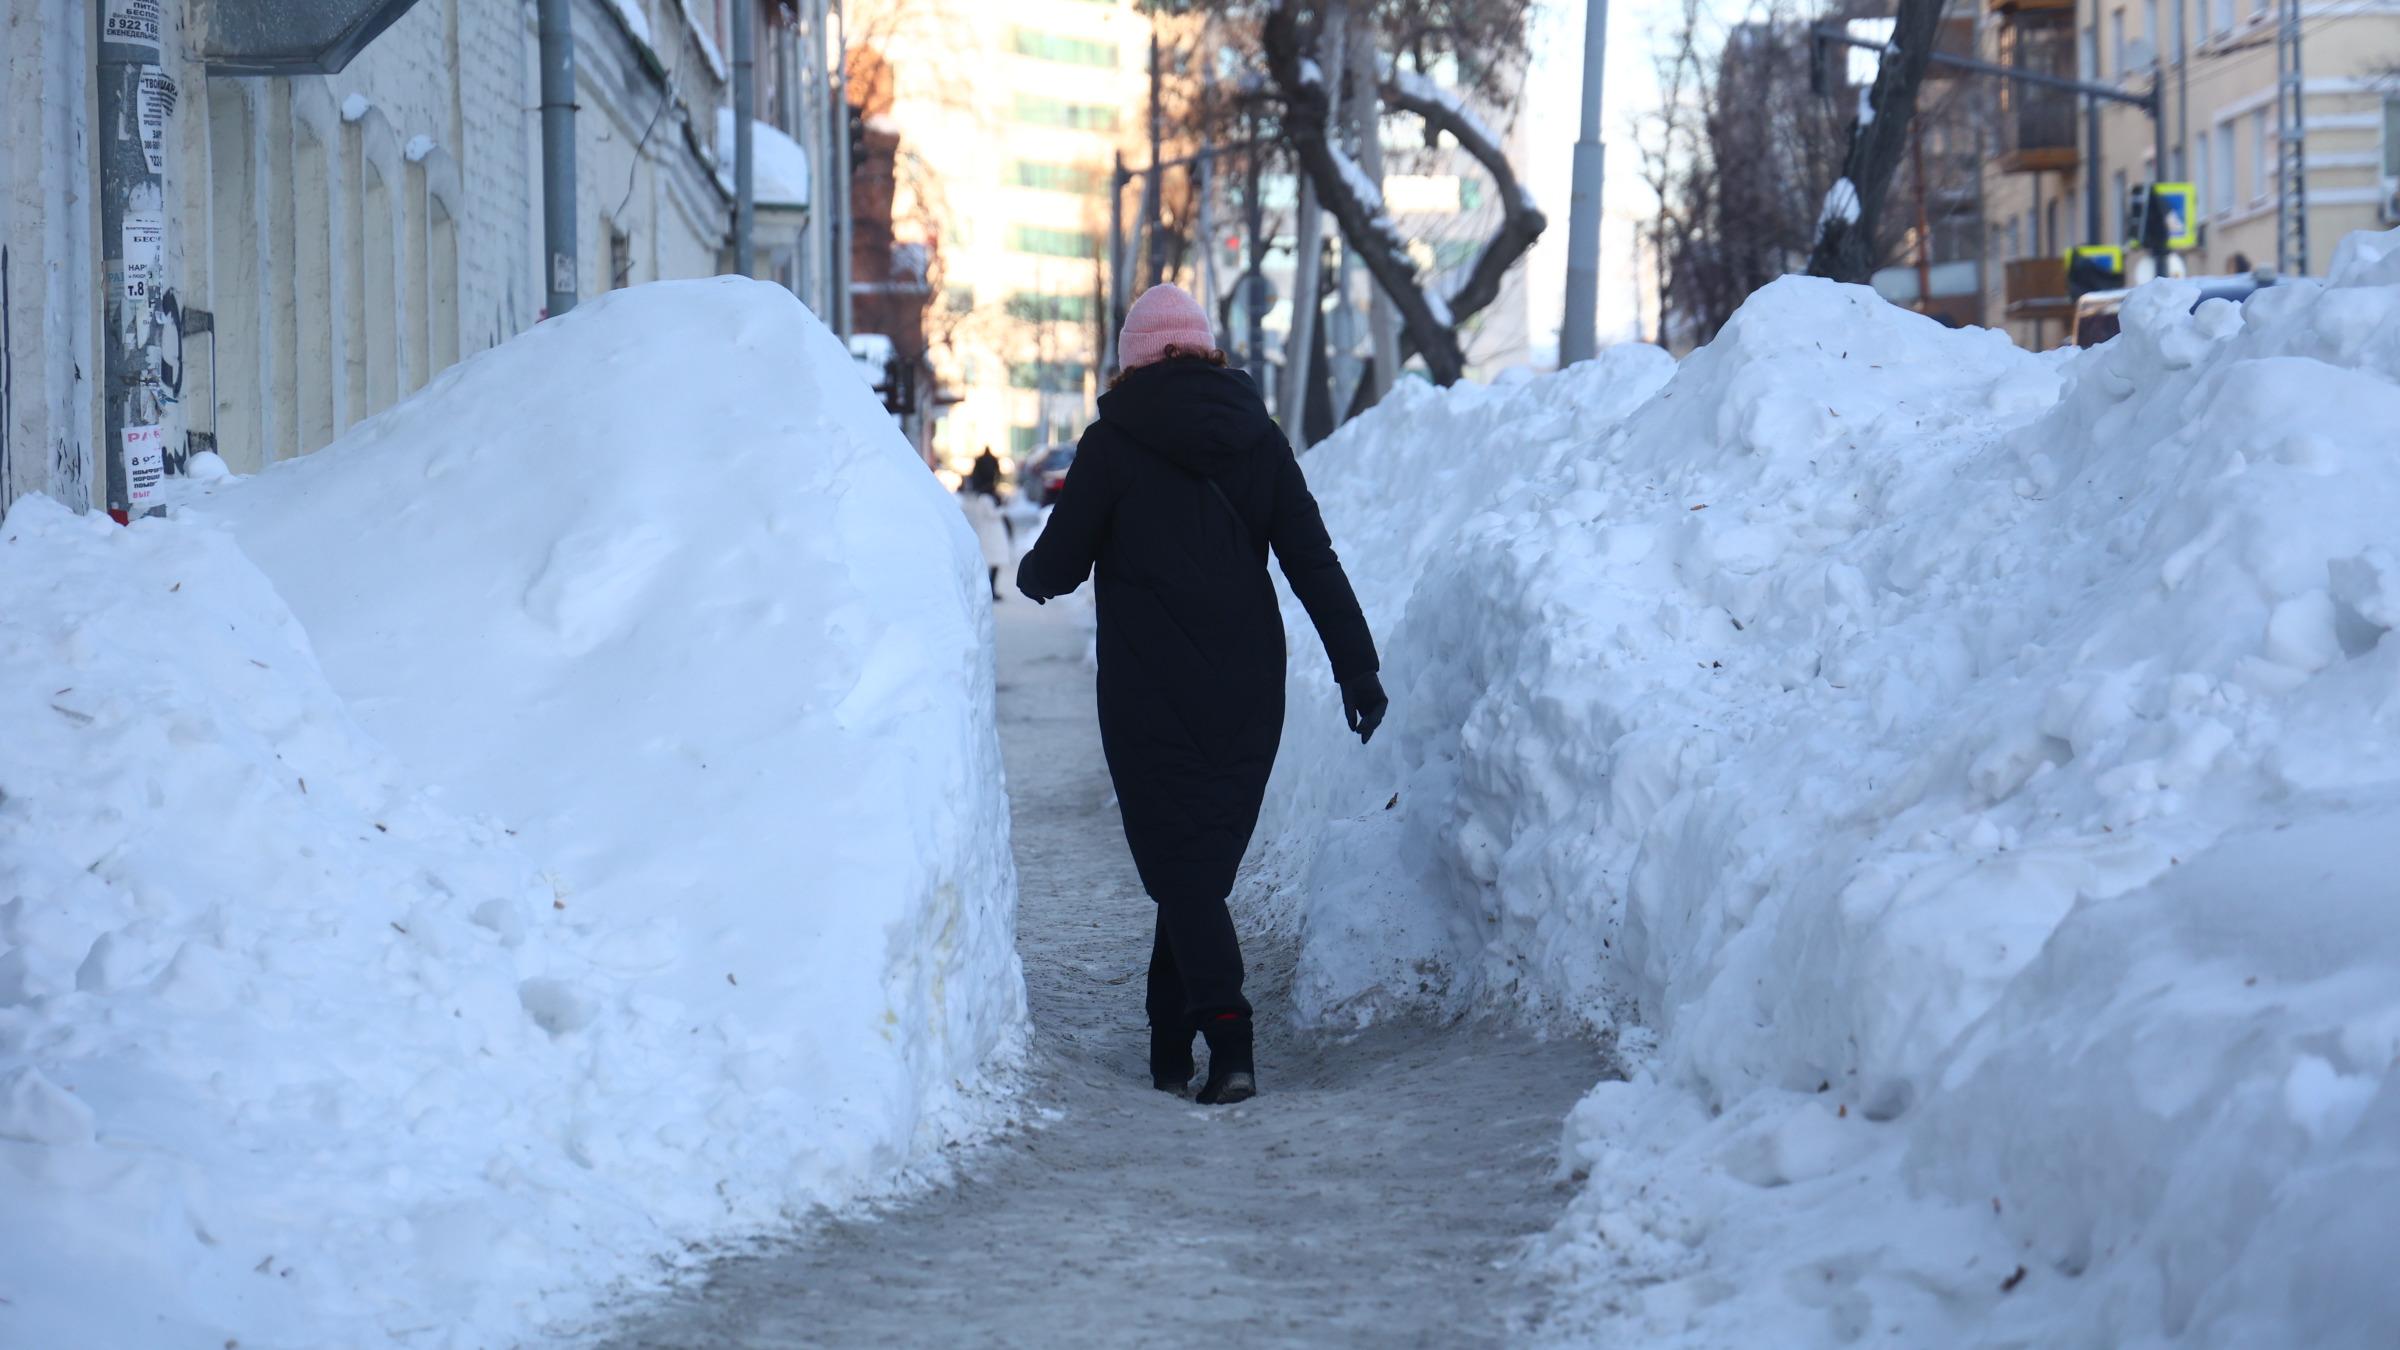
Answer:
[(1550, 120)]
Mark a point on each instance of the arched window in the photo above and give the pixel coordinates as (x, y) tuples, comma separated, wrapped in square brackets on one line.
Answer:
[(283, 307), (441, 305), (382, 298), (415, 274), (352, 307), (313, 220)]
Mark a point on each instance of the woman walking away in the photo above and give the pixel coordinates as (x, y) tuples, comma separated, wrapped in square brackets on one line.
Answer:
[(980, 497), (1176, 494)]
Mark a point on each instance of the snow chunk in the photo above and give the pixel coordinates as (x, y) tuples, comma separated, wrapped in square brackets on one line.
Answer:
[(1418, 87), (779, 173), (418, 148), (1361, 186), (356, 107), (1841, 203)]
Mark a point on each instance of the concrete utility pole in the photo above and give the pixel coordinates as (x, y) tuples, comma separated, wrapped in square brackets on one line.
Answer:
[(1114, 316), (1578, 336), (556, 39), (1155, 260), (1300, 337), (1366, 113), (745, 195), (816, 137), (137, 100), (1254, 241)]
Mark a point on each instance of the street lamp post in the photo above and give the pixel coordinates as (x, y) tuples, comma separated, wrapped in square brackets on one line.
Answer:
[(1578, 336)]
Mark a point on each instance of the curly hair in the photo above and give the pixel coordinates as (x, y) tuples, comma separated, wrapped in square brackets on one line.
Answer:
[(1176, 351)]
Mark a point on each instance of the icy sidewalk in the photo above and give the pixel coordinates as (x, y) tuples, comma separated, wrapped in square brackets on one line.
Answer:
[(552, 831), (1963, 778), (1371, 1196)]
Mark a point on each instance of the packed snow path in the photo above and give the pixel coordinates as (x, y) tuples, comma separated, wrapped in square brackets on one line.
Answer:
[(1372, 1194)]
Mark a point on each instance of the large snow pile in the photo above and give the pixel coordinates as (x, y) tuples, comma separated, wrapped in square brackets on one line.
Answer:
[(1969, 782), (707, 923)]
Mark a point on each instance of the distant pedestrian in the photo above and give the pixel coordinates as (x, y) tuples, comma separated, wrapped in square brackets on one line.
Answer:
[(1176, 495), (979, 496)]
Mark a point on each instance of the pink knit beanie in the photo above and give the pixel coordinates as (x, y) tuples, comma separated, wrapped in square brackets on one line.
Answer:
[(1163, 315)]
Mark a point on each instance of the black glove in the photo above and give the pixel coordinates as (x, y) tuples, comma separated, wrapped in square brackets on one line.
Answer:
[(1363, 704)]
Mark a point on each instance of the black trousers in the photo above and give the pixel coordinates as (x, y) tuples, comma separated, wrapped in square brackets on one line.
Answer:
[(1195, 964)]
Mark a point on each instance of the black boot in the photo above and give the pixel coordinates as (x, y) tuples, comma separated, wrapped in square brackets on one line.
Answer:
[(1232, 1076), (1171, 1059)]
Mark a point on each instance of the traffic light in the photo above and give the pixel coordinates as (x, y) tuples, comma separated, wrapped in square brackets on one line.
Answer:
[(856, 125), (2094, 267)]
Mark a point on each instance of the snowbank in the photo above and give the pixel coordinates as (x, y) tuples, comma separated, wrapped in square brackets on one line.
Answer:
[(1967, 780), (708, 923)]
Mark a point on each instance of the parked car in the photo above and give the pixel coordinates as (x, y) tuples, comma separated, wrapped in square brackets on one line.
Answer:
[(2096, 313), (1040, 477)]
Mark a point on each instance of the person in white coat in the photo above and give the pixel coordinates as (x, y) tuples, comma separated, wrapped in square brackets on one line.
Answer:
[(979, 496)]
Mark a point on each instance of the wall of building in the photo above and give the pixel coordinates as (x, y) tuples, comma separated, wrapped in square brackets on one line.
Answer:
[(346, 237)]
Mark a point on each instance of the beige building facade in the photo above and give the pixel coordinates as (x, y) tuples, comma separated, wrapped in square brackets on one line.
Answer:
[(2219, 64), (1017, 112)]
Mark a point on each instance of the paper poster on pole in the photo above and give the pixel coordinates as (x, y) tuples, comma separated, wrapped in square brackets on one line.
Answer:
[(157, 104), (131, 21), (142, 239), (145, 464)]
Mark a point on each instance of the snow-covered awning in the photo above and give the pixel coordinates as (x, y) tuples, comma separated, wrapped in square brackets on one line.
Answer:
[(779, 168), (289, 37)]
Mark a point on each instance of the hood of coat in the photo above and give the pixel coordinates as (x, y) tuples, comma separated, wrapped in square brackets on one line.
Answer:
[(1203, 417)]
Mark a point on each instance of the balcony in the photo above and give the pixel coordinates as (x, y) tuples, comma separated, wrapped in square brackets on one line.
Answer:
[(2063, 7), (2036, 288), (2037, 129)]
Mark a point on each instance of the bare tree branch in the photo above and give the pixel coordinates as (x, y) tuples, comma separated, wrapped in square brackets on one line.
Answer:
[(1368, 230), (1521, 221)]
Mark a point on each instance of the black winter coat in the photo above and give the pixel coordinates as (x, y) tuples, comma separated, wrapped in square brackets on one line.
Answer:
[(1190, 636)]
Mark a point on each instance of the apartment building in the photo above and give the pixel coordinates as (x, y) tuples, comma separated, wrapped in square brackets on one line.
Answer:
[(2279, 182), (1017, 112)]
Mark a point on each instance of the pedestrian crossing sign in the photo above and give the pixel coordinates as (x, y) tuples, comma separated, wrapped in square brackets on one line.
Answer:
[(2181, 204)]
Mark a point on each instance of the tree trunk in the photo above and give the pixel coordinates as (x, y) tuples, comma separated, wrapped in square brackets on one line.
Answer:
[(1845, 249), (1300, 339), (1366, 122)]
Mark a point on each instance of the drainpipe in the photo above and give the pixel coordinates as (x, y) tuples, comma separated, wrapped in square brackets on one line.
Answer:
[(744, 196), (556, 32), (134, 99), (784, 116), (840, 186)]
